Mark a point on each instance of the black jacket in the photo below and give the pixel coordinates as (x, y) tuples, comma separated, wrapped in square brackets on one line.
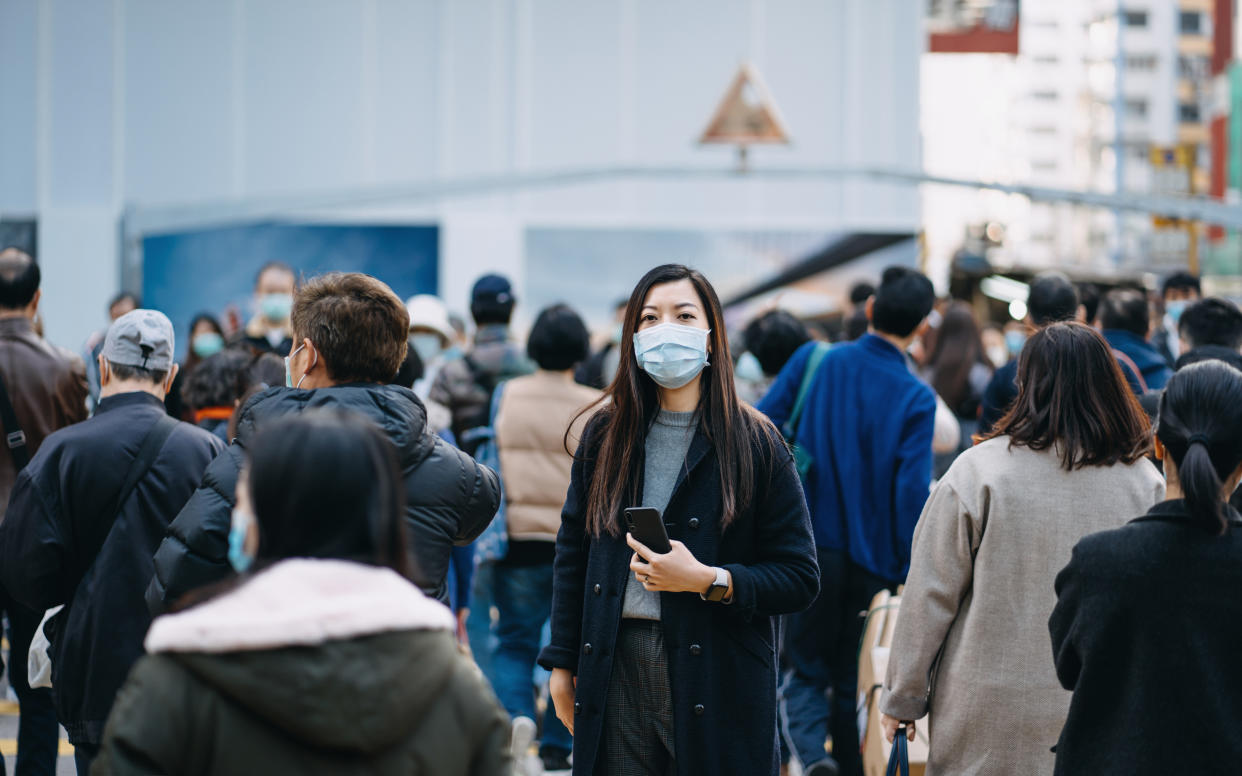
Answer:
[(55, 521), (1146, 632), (721, 658), (450, 499)]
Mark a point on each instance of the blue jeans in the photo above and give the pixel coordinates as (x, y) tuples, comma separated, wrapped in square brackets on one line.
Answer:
[(480, 630), (820, 688), (524, 601)]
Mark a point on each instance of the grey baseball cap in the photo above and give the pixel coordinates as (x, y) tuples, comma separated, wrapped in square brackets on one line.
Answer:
[(142, 338)]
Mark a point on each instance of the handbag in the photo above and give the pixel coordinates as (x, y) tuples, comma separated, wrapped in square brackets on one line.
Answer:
[(899, 757), (802, 457)]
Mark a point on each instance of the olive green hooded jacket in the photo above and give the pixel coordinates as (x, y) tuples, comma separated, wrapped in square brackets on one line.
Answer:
[(310, 667)]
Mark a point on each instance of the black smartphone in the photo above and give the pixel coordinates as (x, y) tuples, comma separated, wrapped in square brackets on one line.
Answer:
[(647, 527)]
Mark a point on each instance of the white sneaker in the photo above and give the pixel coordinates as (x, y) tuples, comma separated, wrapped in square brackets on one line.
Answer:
[(520, 739)]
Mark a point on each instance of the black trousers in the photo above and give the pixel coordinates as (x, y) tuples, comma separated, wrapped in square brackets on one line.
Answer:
[(38, 735), (820, 690), (638, 717)]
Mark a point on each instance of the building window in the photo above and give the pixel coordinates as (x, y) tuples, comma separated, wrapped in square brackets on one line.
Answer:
[(1043, 165), (1135, 18), (1044, 96), (1136, 109), (1192, 68), (1141, 62), (1043, 129), (1046, 59), (1190, 23), (1188, 112)]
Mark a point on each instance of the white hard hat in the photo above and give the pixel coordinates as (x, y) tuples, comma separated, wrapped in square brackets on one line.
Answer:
[(428, 312)]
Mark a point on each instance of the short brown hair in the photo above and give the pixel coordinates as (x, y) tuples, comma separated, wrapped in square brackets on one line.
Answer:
[(356, 323), (1073, 398)]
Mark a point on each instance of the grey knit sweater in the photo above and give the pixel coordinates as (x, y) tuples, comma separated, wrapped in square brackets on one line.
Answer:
[(668, 441)]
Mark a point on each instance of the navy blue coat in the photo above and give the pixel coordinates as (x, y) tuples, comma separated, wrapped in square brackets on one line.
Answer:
[(722, 658)]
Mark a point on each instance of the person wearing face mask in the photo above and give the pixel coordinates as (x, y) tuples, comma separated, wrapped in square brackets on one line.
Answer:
[(87, 514), (206, 340), (269, 330), (1052, 298), (431, 335), (666, 662), (321, 657), (351, 332), (1179, 291)]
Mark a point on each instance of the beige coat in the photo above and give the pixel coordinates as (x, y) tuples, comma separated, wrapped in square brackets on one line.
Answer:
[(992, 537), (530, 434)]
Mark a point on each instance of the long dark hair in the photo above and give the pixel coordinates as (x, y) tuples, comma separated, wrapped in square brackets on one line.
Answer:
[(325, 484), (1200, 413), (959, 346), (1072, 395), (629, 407)]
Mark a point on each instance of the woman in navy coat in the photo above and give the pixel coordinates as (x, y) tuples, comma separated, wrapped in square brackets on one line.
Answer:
[(666, 663)]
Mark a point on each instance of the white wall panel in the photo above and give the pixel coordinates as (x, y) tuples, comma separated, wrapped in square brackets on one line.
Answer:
[(303, 95), (179, 111), (80, 147), (19, 33)]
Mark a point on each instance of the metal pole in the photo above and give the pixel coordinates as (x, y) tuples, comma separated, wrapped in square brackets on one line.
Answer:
[(1119, 147)]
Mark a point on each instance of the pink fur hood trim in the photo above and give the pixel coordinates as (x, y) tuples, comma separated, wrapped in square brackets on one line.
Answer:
[(301, 602)]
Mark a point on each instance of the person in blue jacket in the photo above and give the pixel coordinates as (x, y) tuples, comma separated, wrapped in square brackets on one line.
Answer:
[(1124, 321), (867, 424)]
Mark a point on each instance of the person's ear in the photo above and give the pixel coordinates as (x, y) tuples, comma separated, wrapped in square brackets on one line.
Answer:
[(32, 309), (1159, 449), (172, 375), (105, 370), (923, 327), (870, 307)]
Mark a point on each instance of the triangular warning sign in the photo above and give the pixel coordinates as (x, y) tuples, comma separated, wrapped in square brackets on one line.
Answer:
[(747, 113)]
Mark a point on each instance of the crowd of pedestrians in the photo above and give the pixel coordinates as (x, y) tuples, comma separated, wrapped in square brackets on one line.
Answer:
[(341, 536)]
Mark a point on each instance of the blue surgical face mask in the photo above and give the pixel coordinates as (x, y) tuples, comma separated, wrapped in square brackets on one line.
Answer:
[(289, 374), (671, 353), (427, 345), (276, 307), (748, 368), (1175, 309), (1014, 340), (207, 344), (239, 559)]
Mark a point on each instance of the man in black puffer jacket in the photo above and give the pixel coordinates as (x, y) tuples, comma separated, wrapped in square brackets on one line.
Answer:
[(349, 338)]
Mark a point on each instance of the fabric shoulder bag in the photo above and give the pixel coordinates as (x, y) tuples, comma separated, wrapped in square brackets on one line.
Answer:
[(38, 662)]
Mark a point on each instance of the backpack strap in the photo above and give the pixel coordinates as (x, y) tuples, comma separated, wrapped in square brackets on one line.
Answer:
[(790, 430), (14, 437)]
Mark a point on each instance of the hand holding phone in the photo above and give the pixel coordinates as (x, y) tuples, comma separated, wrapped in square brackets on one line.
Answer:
[(646, 525)]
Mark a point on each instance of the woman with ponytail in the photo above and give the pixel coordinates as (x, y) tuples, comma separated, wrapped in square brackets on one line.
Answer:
[(1148, 621), (665, 663)]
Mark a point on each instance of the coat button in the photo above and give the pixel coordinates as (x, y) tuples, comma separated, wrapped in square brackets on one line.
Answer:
[(596, 589), (693, 522), (696, 650), (698, 709), (586, 649), (577, 707)]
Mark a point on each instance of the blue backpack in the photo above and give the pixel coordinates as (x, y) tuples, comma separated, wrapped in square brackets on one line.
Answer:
[(493, 543)]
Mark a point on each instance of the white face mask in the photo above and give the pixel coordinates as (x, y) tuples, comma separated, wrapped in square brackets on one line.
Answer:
[(671, 353)]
